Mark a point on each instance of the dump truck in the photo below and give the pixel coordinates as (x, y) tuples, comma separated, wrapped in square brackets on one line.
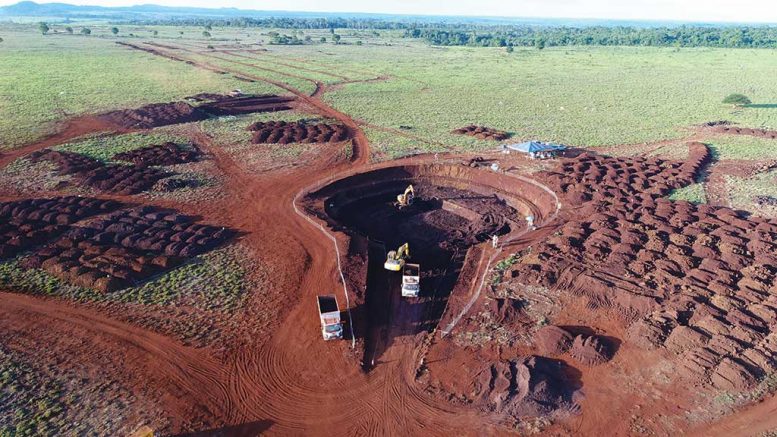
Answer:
[(329, 313), (411, 280)]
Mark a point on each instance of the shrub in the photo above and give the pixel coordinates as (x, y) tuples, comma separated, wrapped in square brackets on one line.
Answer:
[(69, 30), (737, 99), (115, 30), (43, 27), (206, 34), (86, 31)]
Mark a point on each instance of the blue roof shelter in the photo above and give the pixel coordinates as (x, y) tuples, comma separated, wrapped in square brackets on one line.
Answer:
[(535, 147)]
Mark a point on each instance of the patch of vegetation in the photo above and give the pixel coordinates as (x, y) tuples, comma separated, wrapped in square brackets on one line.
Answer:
[(29, 406), (742, 147), (693, 193), (103, 147), (501, 267), (743, 191), (212, 281), (48, 79), (737, 100)]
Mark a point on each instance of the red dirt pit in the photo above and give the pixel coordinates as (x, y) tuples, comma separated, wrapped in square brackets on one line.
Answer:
[(283, 132), (160, 155), (107, 178), (125, 247), (482, 133), (455, 209), (154, 115)]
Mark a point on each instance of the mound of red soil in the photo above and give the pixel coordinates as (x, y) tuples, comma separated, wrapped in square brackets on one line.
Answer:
[(164, 154), (736, 130), (698, 280), (589, 350), (282, 132), (529, 387), (154, 115), (126, 247), (552, 340), (482, 132), (108, 178), (248, 105), (27, 223)]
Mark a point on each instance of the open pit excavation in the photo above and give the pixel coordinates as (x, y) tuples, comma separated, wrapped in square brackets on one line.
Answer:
[(456, 211)]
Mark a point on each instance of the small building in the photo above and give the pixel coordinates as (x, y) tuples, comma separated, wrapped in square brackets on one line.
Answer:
[(536, 149)]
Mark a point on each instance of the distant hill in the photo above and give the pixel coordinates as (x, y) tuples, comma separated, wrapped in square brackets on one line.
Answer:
[(157, 12)]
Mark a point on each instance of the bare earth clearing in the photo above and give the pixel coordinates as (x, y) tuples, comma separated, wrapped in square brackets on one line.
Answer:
[(621, 312)]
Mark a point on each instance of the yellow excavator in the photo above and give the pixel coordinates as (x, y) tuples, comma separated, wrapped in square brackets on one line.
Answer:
[(395, 259), (406, 198)]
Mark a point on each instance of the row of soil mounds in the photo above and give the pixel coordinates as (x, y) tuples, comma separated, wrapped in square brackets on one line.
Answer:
[(168, 153), (694, 279), (726, 127), (112, 250), (482, 132), (107, 178), (28, 223), (283, 132), (163, 114)]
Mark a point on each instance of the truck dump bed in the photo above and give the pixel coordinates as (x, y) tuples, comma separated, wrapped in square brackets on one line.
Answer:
[(327, 304), (411, 270)]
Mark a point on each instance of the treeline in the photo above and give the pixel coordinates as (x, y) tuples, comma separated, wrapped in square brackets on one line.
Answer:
[(684, 36), (289, 23), (518, 35)]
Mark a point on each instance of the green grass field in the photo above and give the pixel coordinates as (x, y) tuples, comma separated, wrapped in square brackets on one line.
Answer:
[(47, 78)]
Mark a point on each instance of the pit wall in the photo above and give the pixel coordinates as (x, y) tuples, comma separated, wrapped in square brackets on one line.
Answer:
[(527, 198)]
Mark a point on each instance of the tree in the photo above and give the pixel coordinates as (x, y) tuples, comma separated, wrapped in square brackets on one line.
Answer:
[(206, 34), (737, 100), (43, 27), (69, 30), (86, 31), (156, 32), (208, 27), (336, 38), (1, 39), (322, 40), (115, 30), (359, 42), (509, 49), (539, 43)]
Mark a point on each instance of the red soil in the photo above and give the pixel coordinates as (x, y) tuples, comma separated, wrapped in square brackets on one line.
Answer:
[(482, 132), (282, 132), (281, 378), (108, 178), (164, 154)]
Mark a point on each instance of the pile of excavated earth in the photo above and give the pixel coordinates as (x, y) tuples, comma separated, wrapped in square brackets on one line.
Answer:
[(283, 132), (116, 247), (695, 279), (726, 127), (482, 132), (163, 114), (107, 178), (160, 155)]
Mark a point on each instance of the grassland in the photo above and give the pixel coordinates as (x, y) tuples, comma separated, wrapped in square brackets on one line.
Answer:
[(48, 78)]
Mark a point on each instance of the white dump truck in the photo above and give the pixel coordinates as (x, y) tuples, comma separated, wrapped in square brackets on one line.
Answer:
[(329, 312), (411, 280)]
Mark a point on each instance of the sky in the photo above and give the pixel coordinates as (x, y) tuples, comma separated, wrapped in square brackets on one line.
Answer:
[(682, 10)]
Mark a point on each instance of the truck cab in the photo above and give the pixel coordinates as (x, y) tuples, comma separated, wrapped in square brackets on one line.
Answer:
[(411, 280), (329, 313)]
